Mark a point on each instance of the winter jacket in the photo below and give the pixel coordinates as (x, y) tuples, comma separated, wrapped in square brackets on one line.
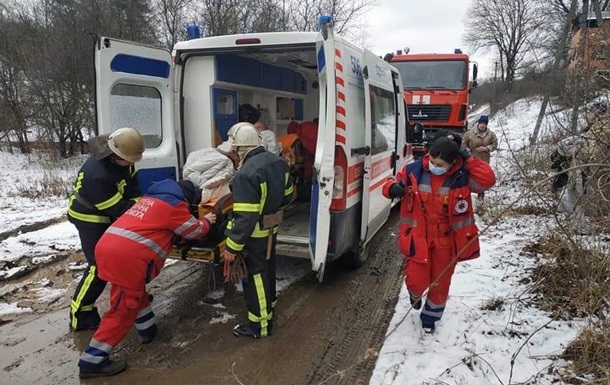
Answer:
[(134, 249), (456, 185), (261, 186), (211, 171), (473, 140), (102, 192)]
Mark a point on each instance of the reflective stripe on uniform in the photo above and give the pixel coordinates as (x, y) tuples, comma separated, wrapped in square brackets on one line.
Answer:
[(408, 221), (247, 207), (75, 306), (288, 190), (263, 196), (145, 319), (262, 303), (88, 217), (192, 234), (139, 239), (190, 222), (462, 224), (116, 198), (85, 217), (100, 346), (234, 245)]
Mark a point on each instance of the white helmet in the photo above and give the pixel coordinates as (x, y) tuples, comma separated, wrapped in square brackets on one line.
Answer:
[(127, 143), (244, 135)]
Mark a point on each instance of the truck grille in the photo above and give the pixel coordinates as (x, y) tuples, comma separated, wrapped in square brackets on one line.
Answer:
[(429, 112)]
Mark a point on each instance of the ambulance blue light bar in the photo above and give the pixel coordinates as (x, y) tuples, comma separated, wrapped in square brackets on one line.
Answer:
[(457, 51), (325, 19)]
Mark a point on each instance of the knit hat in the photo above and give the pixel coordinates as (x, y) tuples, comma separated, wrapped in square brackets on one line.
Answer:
[(190, 191), (483, 119)]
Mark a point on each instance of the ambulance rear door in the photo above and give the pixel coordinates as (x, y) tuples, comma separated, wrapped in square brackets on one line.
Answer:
[(324, 169), (134, 88), (381, 117)]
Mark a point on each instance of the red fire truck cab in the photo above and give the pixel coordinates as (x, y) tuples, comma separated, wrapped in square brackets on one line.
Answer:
[(436, 88)]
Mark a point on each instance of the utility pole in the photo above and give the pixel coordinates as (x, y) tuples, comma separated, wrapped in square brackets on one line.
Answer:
[(493, 100), (558, 55)]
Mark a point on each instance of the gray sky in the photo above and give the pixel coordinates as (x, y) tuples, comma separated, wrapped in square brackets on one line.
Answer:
[(425, 26)]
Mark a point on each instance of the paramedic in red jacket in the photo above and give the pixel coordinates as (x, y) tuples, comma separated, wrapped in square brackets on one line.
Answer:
[(129, 255), (437, 226)]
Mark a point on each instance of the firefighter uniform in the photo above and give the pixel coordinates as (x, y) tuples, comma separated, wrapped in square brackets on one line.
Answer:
[(103, 191), (437, 227), (129, 255), (261, 186)]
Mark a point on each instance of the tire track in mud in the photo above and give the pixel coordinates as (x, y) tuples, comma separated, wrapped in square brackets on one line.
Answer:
[(320, 330)]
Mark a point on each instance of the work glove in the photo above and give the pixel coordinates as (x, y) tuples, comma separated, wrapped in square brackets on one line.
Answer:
[(397, 190), (464, 154)]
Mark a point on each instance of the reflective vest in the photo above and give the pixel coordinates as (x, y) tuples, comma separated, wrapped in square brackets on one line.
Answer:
[(452, 200), (102, 192)]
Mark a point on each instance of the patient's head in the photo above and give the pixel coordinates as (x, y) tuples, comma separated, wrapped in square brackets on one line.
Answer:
[(260, 126)]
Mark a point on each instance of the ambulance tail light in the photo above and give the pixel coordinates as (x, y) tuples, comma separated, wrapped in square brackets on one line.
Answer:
[(340, 187)]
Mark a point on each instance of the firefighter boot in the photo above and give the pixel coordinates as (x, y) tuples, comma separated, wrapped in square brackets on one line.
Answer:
[(85, 320), (110, 368), (251, 329)]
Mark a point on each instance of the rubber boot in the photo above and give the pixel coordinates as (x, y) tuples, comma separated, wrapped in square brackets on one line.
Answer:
[(109, 369)]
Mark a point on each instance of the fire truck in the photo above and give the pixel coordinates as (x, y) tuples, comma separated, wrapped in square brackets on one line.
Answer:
[(436, 88)]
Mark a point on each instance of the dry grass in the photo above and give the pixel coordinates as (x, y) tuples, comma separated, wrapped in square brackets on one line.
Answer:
[(590, 353), (572, 280)]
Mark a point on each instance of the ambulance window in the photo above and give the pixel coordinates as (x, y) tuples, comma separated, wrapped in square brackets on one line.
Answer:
[(383, 128), (138, 107), (224, 104)]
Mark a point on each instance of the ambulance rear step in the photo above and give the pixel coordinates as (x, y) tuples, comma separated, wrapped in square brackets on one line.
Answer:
[(292, 246)]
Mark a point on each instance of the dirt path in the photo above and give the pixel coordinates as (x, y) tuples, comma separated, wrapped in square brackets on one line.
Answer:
[(323, 332)]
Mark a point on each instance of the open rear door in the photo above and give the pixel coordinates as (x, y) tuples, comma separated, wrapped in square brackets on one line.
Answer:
[(380, 137), (134, 88), (322, 189)]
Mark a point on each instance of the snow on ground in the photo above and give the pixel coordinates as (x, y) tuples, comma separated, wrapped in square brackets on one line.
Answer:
[(28, 198), (489, 316), (56, 238)]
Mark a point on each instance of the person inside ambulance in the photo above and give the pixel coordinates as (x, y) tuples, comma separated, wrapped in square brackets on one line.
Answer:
[(129, 255), (437, 221), (261, 188), (106, 187), (268, 138)]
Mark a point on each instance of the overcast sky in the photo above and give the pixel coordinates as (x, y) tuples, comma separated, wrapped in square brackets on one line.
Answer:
[(425, 26)]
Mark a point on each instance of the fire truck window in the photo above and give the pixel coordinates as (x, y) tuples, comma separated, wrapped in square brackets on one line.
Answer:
[(138, 107), (433, 75), (383, 120)]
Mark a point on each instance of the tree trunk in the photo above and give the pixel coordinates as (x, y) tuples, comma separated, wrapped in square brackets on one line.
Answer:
[(579, 64), (558, 55)]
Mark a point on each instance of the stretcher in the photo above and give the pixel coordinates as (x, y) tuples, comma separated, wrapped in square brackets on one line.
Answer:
[(211, 248)]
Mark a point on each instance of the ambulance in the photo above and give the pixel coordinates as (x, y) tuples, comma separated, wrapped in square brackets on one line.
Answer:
[(188, 99)]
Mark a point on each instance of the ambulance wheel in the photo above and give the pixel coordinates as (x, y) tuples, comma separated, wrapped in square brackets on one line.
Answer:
[(356, 257)]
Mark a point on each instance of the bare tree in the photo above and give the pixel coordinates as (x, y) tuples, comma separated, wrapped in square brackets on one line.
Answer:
[(172, 18), (506, 26)]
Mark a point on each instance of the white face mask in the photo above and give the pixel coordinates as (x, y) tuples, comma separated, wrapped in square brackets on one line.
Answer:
[(437, 170)]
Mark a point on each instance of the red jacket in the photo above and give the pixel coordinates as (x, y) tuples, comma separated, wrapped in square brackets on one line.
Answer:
[(453, 191), (134, 249)]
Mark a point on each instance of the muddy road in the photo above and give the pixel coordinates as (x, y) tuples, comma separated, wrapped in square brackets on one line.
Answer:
[(324, 333)]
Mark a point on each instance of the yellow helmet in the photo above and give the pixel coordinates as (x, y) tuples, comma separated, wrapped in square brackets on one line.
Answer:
[(127, 143)]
